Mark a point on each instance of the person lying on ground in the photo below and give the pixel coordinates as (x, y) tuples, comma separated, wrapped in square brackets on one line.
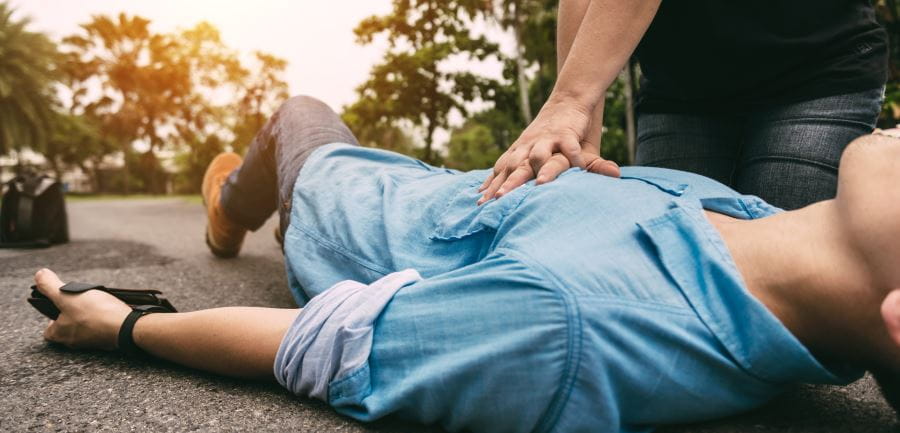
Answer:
[(590, 303)]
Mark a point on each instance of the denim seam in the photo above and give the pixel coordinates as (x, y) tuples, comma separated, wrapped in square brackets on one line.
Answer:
[(642, 304), (712, 328), (790, 158), (439, 231), (339, 250), (658, 161), (554, 411), (718, 244), (823, 119), (358, 371), (747, 210)]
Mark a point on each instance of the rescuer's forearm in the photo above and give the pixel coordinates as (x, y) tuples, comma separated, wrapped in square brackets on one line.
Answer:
[(595, 40)]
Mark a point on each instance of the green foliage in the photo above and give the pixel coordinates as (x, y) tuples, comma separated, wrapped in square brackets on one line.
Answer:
[(410, 84), (164, 90), (26, 78), (192, 164), (889, 16), (144, 84), (261, 90), (533, 22), (73, 141), (472, 147), (376, 133)]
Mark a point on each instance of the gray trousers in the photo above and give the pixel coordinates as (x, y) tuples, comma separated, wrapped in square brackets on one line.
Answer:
[(265, 180)]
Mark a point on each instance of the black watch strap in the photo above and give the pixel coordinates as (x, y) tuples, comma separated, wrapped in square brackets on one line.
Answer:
[(126, 339)]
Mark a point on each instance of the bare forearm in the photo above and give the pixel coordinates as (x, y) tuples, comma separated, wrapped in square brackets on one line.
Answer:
[(234, 341), (593, 49), (571, 14)]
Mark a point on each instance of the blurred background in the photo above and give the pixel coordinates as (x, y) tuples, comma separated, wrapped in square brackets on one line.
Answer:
[(129, 96)]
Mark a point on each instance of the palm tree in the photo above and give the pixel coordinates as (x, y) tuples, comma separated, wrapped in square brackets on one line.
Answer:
[(26, 75)]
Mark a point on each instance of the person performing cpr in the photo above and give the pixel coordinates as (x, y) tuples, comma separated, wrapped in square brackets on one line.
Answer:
[(761, 96)]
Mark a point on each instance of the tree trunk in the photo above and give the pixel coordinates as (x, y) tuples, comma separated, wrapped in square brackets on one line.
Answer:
[(19, 168), (92, 178), (126, 172), (521, 79), (429, 141), (55, 166), (894, 11), (630, 127)]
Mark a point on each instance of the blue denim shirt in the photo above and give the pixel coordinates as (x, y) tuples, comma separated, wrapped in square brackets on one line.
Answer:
[(586, 304)]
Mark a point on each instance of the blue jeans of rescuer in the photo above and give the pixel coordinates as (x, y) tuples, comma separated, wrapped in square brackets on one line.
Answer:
[(787, 154)]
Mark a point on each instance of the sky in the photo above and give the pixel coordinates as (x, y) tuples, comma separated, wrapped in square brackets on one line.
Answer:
[(316, 37)]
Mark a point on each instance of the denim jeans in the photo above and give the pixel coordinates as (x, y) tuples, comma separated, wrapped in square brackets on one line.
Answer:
[(265, 180), (787, 155)]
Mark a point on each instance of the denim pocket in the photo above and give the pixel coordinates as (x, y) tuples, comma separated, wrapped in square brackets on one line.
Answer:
[(462, 217)]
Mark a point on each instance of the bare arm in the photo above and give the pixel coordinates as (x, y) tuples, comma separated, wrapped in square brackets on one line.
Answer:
[(570, 16), (235, 341), (602, 44), (593, 50)]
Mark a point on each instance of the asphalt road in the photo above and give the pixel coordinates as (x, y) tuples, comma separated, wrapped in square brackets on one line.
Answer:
[(158, 243)]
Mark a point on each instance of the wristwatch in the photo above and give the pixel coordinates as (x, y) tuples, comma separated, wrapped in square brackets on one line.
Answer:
[(126, 339)]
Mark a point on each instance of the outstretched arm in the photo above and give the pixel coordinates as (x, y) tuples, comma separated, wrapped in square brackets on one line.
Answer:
[(234, 341)]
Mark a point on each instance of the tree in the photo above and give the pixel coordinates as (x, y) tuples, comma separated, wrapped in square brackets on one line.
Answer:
[(143, 83), (410, 84), (376, 133), (261, 90), (192, 164), (532, 24), (75, 140), (26, 77), (472, 147), (529, 75), (165, 92)]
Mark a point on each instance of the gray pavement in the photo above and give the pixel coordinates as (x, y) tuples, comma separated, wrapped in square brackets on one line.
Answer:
[(158, 243)]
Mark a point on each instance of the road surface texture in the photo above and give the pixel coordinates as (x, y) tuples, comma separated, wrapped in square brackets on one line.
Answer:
[(158, 243)]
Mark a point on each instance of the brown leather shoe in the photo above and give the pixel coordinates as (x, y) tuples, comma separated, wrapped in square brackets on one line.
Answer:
[(223, 236)]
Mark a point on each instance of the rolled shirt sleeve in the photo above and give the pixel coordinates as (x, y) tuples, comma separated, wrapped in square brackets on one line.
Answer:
[(332, 336), (488, 347)]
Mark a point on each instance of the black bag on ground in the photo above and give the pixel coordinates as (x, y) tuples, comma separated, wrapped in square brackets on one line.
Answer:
[(33, 213)]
